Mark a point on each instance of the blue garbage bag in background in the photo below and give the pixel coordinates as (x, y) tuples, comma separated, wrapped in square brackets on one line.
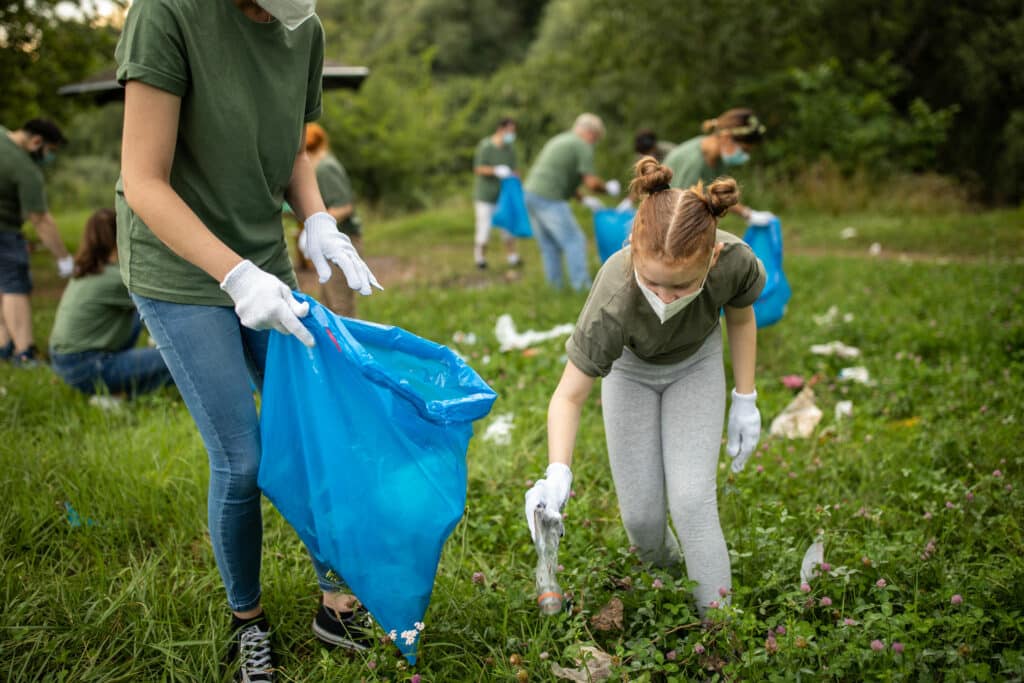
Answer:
[(766, 241), (364, 442), (510, 213), (611, 228)]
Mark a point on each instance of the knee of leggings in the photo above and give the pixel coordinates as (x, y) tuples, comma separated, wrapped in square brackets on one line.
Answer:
[(694, 507)]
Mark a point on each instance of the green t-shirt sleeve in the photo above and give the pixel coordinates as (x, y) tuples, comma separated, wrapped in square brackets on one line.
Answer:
[(585, 160), (315, 85), (31, 193), (597, 338), (478, 155), (749, 276), (335, 186), (152, 48)]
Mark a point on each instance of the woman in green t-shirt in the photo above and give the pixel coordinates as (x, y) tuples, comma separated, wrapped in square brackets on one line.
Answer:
[(650, 327), (216, 98), (92, 345)]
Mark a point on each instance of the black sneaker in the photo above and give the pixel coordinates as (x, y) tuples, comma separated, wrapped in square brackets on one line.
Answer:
[(481, 265), (250, 648), (351, 630), (29, 358)]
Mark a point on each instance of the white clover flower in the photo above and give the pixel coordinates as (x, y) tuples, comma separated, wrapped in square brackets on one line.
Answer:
[(409, 636), (393, 635), (420, 626)]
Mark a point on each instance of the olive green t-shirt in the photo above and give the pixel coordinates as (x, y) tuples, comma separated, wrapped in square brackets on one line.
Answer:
[(560, 167), (616, 314), (21, 185), (688, 165), (95, 314), (336, 190), (486, 188), (246, 90)]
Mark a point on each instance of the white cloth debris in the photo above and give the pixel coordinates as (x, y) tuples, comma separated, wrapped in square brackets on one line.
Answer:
[(848, 233), (500, 430), (857, 374), (799, 418), (835, 348), (844, 409), (509, 339), (811, 563)]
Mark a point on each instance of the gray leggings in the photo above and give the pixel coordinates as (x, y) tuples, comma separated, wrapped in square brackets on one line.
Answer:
[(663, 425)]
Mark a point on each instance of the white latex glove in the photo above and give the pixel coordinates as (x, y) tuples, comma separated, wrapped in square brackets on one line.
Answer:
[(592, 202), (744, 428), (760, 217), (325, 243), (65, 266), (551, 493), (502, 171), (263, 302), (613, 187)]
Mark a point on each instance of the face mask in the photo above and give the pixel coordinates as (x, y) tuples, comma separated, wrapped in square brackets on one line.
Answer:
[(43, 158), (738, 157), (509, 138), (666, 311), (291, 13)]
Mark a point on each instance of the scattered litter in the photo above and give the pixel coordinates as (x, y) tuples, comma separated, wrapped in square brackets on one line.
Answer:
[(500, 430), (792, 381), (105, 402), (799, 418), (595, 666), (610, 616), (835, 348), (486, 360), (858, 374), (530, 353), (844, 409), (813, 557), (461, 337), (74, 519), (830, 316), (875, 249), (848, 233), (508, 338)]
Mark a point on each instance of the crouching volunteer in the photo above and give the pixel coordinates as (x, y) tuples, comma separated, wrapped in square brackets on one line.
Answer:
[(650, 328), (212, 145)]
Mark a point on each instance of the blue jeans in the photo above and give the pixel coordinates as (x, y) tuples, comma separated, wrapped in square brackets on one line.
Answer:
[(558, 234), (216, 363), (127, 370)]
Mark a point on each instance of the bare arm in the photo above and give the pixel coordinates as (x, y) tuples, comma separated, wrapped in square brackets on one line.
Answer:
[(564, 413), (741, 327), (303, 193), (48, 233), (147, 151), (341, 212)]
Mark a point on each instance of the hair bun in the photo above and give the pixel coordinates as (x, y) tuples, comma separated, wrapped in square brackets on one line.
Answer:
[(720, 195), (650, 176)]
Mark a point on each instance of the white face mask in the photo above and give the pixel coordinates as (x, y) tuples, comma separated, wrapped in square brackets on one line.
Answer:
[(666, 311), (291, 13)]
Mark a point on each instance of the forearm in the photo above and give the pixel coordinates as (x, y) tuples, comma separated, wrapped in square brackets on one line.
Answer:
[(48, 233), (741, 326), (342, 212), (564, 413), (303, 193)]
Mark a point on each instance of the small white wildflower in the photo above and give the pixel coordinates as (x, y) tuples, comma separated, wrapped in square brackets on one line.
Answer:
[(420, 626), (409, 636), (393, 635)]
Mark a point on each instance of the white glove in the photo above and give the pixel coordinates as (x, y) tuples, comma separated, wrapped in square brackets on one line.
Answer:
[(551, 493), (760, 217), (592, 202), (502, 171), (302, 243), (744, 428), (263, 302), (325, 243), (625, 205), (65, 266), (613, 187)]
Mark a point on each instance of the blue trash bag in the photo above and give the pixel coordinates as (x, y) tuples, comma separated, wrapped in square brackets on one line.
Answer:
[(611, 229), (510, 213), (766, 241), (364, 442)]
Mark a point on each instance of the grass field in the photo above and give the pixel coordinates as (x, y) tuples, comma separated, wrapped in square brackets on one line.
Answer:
[(918, 496)]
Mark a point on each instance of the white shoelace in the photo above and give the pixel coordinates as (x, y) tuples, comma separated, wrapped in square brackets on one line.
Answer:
[(254, 650)]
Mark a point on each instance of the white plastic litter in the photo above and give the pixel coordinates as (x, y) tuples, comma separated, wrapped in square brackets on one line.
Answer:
[(799, 418), (830, 316), (813, 558), (835, 348), (844, 409), (499, 432), (848, 233), (875, 249), (857, 374), (509, 339)]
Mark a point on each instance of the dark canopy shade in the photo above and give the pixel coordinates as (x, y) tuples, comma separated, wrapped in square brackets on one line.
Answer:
[(104, 88)]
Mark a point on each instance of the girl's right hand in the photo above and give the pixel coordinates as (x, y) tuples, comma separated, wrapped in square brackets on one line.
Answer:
[(550, 493)]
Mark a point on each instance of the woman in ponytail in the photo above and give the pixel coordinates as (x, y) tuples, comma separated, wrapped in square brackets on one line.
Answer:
[(92, 345), (650, 328), (726, 142)]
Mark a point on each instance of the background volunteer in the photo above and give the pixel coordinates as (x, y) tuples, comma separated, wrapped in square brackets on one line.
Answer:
[(494, 159)]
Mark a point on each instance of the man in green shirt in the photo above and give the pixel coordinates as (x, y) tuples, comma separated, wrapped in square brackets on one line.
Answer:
[(22, 196), (495, 159), (565, 162)]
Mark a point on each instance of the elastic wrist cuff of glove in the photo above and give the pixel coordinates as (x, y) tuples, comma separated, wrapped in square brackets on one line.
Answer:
[(557, 469), (319, 218), (751, 397), (242, 267)]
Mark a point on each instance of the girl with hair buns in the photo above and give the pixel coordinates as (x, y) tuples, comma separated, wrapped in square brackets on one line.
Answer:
[(650, 328), (726, 142)]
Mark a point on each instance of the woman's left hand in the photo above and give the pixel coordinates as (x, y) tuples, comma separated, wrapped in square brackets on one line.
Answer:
[(326, 244), (744, 428)]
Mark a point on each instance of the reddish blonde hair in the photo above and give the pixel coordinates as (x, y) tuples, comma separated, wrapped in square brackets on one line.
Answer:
[(316, 137), (673, 225)]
